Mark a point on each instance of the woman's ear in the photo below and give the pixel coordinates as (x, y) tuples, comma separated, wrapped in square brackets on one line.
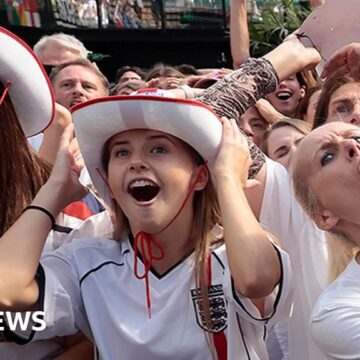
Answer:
[(202, 175), (326, 220), (302, 92)]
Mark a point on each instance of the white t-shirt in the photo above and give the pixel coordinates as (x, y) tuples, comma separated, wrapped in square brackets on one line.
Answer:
[(306, 245), (90, 286), (335, 321), (96, 225)]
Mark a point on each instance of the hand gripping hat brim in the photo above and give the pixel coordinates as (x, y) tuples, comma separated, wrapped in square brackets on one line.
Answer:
[(96, 121), (30, 90)]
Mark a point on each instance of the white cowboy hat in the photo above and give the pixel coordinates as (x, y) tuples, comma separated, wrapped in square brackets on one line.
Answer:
[(30, 89), (97, 120)]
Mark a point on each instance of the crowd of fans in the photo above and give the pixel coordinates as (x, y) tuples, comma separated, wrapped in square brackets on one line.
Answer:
[(230, 196)]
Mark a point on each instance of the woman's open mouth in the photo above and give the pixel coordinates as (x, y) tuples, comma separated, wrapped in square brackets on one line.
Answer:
[(284, 95), (143, 190)]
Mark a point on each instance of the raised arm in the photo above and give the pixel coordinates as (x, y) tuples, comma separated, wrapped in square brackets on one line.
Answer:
[(253, 261), (52, 134), (22, 244), (231, 96), (239, 32), (255, 78)]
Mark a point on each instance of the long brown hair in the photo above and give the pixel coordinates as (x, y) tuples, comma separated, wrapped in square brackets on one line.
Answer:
[(302, 108), (22, 171), (206, 216)]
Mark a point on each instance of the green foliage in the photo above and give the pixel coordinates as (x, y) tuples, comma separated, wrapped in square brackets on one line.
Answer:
[(274, 24)]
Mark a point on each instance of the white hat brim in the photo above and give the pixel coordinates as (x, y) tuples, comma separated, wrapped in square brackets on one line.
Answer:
[(96, 121), (30, 90)]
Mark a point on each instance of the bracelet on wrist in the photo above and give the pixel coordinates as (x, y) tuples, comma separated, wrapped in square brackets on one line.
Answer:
[(45, 211), (189, 92)]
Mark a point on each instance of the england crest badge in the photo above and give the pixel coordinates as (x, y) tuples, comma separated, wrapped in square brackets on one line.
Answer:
[(217, 304)]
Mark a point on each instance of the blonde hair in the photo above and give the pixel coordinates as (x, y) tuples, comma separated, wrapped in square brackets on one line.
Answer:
[(341, 250), (341, 247), (206, 216), (66, 41)]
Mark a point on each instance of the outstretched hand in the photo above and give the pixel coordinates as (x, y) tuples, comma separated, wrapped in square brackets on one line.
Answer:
[(345, 60), (66, 170)]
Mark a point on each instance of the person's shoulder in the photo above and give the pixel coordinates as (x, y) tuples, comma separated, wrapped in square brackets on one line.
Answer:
[(84, 246), (84, 250), (86, 254), (335, 317), (94, 243), (340, 299), (275, 169), (343, 292)]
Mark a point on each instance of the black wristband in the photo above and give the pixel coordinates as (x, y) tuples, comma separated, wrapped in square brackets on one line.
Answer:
[(45, 211)]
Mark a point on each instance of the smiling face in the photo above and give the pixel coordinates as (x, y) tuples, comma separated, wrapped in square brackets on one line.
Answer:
[(287, 96), (282, 144), (344, 104), (329, 160), (150, 174)]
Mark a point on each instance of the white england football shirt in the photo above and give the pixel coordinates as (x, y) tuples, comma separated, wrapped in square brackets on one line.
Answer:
[(90, 286)]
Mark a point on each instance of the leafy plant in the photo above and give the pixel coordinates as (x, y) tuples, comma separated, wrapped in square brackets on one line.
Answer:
[(275, 23)]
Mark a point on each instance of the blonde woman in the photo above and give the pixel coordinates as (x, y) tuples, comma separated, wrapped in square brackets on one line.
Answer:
[(326, 182)]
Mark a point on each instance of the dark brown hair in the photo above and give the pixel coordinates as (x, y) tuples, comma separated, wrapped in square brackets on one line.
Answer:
[(330, 86), (301, 110), (22, 171), (187, 69), (121, 71), (307, 78)]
